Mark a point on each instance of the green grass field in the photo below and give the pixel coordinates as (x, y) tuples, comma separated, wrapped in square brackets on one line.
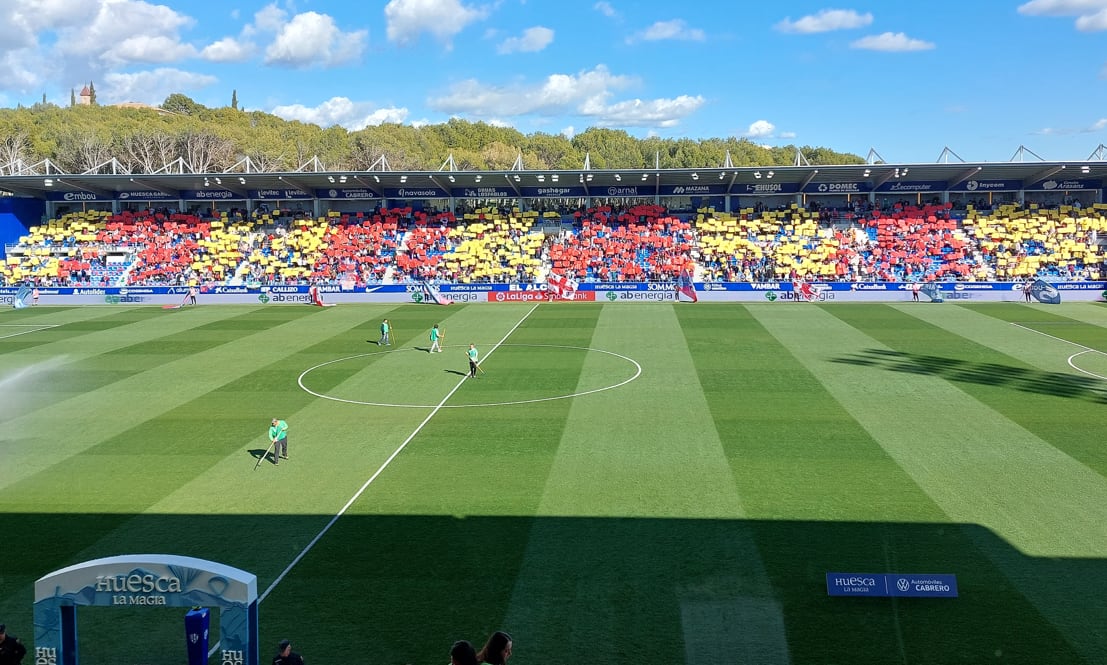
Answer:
[(626, 484)]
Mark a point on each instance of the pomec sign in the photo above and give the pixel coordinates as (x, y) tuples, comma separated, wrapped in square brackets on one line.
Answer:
[(146, 580), (837, 188)]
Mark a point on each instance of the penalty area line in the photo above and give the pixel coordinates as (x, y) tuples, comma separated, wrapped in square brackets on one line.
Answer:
[(1069, 360), (322, 532)]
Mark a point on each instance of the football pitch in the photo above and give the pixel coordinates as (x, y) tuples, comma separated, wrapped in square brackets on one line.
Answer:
[(623, 484)]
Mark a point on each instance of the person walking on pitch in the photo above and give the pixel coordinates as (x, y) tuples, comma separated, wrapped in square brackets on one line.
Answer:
[(386, 334), (435, 337), (473, 366), (278, 435)]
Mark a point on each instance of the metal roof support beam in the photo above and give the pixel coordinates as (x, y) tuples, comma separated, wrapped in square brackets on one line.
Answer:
[(883, 178), (116, 168), (964, 175), (946, 154), (380, 165), (246, 163), (1100, 153), (875, 157), (1044, 173), (801, 159), (808, 178), (1020, 155), (728, 163), (517, 165), (312, 165), (44, 167), (587, 161), (375, 189), (292, 182), (178, 165), (515, 185), (168, 191), (106, 193), (230, 188), (449, 164)]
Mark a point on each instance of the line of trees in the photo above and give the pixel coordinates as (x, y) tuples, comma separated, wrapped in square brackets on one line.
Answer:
[(80, 138)]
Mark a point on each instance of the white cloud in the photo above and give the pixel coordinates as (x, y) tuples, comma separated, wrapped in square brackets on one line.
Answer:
[(149, 87), (62, 41), (150, 48), (312, 39), (269, 18), (532, 40), (342, 111), (569, 132), (787, 135), (662, 30), (826, 20), (606, 9), (587, 94), (1091, 15), (123, 31), (760, 129), (1096, 22), (228, 49), (407, 19), (1097, 126), (639, 113), (891, 42)]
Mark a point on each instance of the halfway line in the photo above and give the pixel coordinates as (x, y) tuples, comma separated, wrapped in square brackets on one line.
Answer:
[(384, 466)]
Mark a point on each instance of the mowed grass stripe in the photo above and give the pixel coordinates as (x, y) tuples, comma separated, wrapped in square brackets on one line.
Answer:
[(963, 436), (783, 431), (1023, 374), (331, 462), (640, 458), (135, 342), (439, 536), (797, 453), (82, 427), (976, 464)]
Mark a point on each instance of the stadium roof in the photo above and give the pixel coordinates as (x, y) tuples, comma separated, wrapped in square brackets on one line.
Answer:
[(718, 181)]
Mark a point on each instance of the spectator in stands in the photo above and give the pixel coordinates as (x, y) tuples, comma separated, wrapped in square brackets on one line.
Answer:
[(463, 653), (11, 648), (286, 656), (496, 650)]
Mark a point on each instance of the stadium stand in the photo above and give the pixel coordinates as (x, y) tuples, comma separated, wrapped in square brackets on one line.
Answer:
[(641, 243)]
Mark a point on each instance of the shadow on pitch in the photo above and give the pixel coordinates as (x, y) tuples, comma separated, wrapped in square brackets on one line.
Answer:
[(1057, 384), (454, 371), (663, 590), (261, 453)]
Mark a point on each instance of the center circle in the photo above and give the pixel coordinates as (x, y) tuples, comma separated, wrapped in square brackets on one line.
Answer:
[(333, 398)]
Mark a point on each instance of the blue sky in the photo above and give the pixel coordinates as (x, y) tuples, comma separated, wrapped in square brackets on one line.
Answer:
[(906, 78)]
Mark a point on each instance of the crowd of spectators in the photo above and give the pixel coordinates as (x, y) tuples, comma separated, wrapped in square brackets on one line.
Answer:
[(899, 241)]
